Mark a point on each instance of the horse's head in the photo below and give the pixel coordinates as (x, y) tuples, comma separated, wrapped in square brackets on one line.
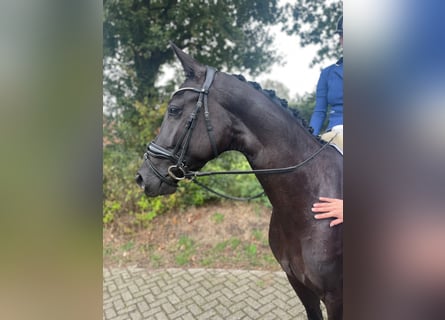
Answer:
[(193, 131)]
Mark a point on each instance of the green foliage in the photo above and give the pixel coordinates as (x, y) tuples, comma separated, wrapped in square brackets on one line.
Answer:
[(232, 252), (258, 234), (118, 167), (315, 23), (155, 260), (149, 208), (305, 105), (136, 36), (251, 250), (110, 209), (218, 217), (186, 246), (121, 160), (234, 243), (108, 250), (121, 194), (128, 246), (235, 185)]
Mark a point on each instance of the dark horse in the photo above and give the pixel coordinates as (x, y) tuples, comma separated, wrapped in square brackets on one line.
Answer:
[(214, 112)]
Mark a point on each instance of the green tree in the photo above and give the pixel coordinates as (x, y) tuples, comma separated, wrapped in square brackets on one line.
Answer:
[(315, 23), (225, 33), (304, 104)]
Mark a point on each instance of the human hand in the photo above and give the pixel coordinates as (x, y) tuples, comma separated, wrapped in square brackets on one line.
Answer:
[(329, 208)]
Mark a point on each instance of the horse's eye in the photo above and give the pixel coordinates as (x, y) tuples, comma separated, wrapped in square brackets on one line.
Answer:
[(174, 110)]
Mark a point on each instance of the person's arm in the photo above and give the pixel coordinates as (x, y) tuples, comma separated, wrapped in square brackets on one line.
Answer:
[(329, 208), (321, 104)]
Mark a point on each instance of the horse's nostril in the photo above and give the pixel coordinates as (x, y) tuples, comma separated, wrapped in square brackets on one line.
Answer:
[(140, 181)]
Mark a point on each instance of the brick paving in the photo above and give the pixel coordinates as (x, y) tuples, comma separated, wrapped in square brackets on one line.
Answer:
[(134, 293)]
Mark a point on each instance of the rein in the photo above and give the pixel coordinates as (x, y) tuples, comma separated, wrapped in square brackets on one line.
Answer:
[(179, 171), (193, 174)]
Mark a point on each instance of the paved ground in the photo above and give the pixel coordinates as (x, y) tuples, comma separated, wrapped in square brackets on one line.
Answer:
[(134, 293)]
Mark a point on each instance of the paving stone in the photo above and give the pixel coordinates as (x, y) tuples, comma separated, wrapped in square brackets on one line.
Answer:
[(134, 293)]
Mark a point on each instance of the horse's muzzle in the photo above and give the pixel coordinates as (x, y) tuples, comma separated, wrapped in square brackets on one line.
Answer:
[(153, 186), (140, 181)]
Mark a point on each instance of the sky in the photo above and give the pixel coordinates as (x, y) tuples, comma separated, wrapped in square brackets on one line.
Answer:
[(295, 74)]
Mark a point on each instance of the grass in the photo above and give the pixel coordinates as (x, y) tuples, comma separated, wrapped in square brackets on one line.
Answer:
[(234, 243), (186, 247), (234, 252), (257, 234), (108, 251), (230, 242), (218, 218), (219, 247), (250, 250), (186, 252), (128, 246), (156, 260)]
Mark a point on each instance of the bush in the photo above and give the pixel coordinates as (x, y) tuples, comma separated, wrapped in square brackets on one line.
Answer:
[(122, 196), (243, 186)]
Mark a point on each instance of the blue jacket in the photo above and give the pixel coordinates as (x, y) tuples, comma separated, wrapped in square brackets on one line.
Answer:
[(329, 93)]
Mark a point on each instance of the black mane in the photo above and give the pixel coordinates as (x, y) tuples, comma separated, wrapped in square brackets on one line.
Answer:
[(271, 94)]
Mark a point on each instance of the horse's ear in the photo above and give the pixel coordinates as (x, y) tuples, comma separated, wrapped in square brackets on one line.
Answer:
[(192, 68)]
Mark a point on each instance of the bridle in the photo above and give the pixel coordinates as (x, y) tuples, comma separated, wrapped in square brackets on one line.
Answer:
[(179, 170)]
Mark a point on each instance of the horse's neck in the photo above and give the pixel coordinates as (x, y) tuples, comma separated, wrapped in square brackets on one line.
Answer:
[(269, 136), (275, 144)]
